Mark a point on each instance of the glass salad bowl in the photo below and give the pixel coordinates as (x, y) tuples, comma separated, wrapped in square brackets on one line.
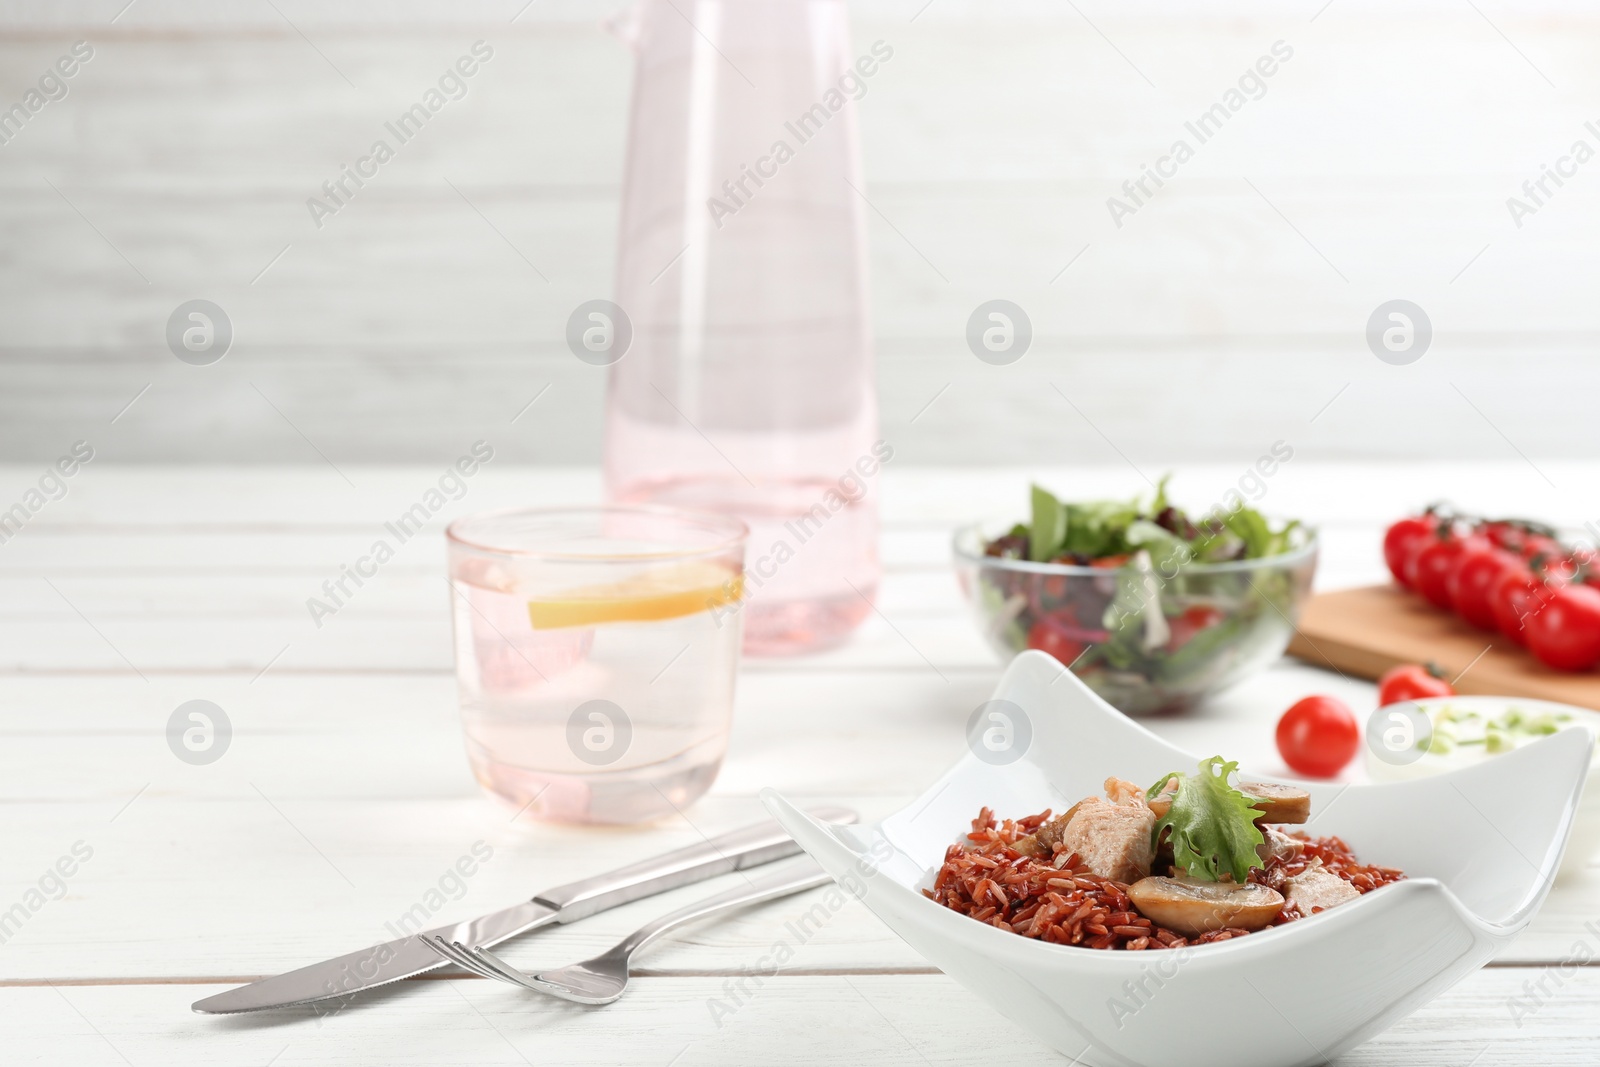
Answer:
[(1146, 637)]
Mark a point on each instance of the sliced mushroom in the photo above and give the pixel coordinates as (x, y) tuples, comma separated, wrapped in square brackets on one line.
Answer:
[(1278, 803), (1192, 907)]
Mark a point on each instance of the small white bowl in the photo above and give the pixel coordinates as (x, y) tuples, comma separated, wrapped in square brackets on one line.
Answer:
[(1480, 845), (1584, 844)]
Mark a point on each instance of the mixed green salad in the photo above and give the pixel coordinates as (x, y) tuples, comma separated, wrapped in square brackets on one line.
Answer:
[(1153, 631), (1109, 533)]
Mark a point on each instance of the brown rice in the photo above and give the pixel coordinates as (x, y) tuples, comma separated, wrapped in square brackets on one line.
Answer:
[(1056, 900)]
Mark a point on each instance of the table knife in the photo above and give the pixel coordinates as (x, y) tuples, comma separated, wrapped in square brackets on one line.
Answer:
[(406, 957)]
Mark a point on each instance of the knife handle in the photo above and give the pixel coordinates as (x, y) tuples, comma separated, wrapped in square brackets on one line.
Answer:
[(749, 847)]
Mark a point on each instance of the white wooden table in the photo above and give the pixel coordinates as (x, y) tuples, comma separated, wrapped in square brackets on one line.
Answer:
[(344, 798)]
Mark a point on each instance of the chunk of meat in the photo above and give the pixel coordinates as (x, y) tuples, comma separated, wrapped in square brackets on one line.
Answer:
[(1042, 842), (1121, 791), (1315, 889), (1110, 840), (1279, 845)]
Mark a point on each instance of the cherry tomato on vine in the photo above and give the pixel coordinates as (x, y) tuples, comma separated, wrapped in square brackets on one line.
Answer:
[(1317, 736), (1412, 681), (1402, 541), (1473, 583), (1504, 535), (1540, 545), (1437, 563), (1558, 570), (1516, 598), (1565, 632)]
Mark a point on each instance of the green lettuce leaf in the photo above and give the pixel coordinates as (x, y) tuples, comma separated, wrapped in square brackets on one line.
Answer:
[(1160, 501), (1212, 823), (1097, 528), (1251, 527), (1049, 527), (1167, 550)]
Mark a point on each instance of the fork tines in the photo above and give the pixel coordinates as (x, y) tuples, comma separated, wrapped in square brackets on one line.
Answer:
[(458, 954)]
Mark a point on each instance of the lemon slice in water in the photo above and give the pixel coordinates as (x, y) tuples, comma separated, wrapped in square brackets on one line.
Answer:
[(662, 593)]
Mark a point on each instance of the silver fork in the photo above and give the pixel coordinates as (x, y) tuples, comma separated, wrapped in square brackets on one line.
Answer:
[(604, 978)]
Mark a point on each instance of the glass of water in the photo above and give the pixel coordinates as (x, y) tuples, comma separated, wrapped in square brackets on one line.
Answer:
[(596, 650)]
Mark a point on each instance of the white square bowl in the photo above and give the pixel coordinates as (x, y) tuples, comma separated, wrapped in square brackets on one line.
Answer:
[(1480, 846)]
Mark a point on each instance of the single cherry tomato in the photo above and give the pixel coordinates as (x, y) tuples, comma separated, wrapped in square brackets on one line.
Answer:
[(1402, 541), (1585, 561), (1437, 563), (1473, 583), (1539, 545), (1517, 597), (1063, 638), (1412, 681), (1408, 565), (1191, 622), (1556, 569), (1506, 535), (1565, 632), (1317, 736), (1429, 570)]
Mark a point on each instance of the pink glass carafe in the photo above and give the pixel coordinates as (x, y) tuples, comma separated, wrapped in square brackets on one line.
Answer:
[(748, 385)]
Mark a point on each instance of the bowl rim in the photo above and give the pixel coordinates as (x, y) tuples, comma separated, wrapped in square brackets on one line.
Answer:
[(961, 548)]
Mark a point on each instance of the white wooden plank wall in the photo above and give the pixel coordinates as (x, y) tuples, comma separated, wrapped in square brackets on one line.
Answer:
[(1224, 315)]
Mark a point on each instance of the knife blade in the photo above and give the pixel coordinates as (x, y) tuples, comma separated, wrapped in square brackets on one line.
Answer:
[(406, 957)]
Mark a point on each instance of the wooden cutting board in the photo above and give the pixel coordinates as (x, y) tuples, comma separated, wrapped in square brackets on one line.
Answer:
[(1366, 631)]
